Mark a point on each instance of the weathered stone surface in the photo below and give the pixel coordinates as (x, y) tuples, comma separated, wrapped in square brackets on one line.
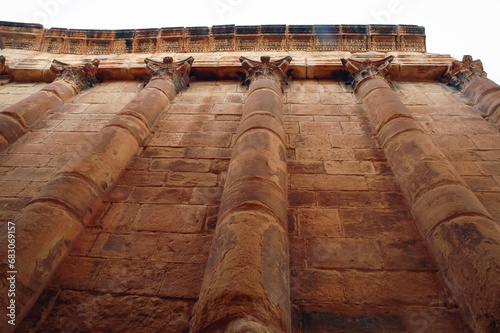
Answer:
[(86, 311), (341, 253), (43, 234), (247, 274), (447, 213), (75, 194), (469, 247)]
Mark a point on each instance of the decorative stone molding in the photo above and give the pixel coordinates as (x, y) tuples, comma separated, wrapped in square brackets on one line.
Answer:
[(80, 77), (462, 72), (276, 70), (178, 71), (221, 38), (366, 69)]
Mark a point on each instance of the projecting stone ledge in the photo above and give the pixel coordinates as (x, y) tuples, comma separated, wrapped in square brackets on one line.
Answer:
[(33, 66), (222, 38)]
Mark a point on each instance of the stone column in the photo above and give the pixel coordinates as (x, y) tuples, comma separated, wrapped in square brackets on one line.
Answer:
[(246, 284), (16, 120), (47, 227), (459, 231), (469, 77)]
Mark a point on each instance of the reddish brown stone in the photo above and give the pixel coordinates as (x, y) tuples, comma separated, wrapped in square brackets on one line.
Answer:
[(169, 218), (183, 248), (342, 253), (76, 273), (324, 286), (392, 288), (317, 222), (182, 280), (137, 277)]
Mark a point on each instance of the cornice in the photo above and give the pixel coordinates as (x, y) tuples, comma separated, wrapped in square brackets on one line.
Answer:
[(225, 38), (32, 66)]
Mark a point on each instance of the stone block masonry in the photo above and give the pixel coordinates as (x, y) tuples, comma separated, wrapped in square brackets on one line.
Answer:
[(297, 204), (460, 232), (56, 215), (246, 284), (16, 120)]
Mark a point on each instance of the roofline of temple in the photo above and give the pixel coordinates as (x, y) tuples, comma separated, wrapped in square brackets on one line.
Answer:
[(221, 38)]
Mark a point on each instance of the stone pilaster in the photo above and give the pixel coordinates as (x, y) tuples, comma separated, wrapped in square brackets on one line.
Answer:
[(469, 77), (459, 231), (246, 284), (47, 227), (16, 120)]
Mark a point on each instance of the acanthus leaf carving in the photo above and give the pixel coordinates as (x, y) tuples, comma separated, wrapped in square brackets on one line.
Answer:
[(460, 73), (276, 70), (80, 77), (178, 71), (366, 69)]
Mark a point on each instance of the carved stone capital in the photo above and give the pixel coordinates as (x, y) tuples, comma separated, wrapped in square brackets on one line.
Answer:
[(178, 71), (4, 72), (80, 77), (460, 73), (276, 70), (362, 70)]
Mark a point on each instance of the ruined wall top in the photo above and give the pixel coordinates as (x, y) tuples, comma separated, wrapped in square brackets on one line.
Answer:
[(351, 38)]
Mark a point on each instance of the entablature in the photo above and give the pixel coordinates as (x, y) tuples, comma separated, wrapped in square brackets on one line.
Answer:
[(33, 66)]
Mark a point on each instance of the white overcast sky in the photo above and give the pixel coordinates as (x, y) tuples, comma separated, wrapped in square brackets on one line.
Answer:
[(452, 27)]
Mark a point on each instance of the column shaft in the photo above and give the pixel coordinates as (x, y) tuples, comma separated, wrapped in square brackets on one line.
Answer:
[(16, 120), (460, 232), (47, 227), (246, 284), (486, 97)]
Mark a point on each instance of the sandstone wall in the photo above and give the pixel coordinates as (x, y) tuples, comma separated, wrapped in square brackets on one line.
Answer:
[(357, 260)]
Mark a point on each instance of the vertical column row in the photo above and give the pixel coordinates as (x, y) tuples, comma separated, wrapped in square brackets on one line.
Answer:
[(460, 232), (16, 120), (246, 283), (47, 227)]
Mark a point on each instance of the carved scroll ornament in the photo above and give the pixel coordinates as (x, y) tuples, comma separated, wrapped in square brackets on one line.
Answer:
[(178, 71), (462, 72), (80, 77), (362, 70), (276, 70)]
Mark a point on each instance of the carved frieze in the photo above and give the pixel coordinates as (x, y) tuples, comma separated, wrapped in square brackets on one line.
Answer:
[(462, 72), (178, 71), (80, 76), (365, 69), (353, 38), (276, 70)]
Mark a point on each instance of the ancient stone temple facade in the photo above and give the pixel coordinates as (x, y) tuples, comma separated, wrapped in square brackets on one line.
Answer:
[(330, 178)]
